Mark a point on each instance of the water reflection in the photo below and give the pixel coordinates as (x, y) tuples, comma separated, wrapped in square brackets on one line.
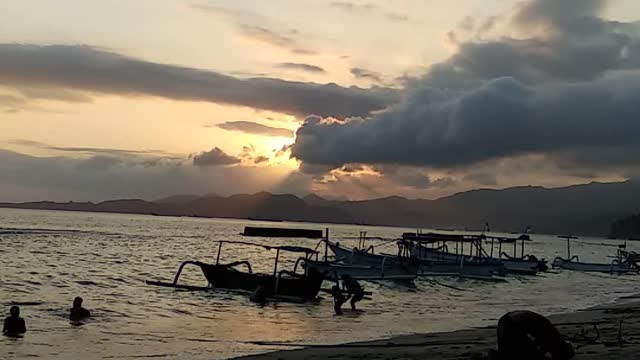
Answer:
[(51, 257)]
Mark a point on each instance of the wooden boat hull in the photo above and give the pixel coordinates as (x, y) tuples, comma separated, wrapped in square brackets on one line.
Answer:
[(465, 269), (612, 268), (444, 266), (283, 286), (522, 267), (379, 266), (364, 258), (334, 271), (512, 266)]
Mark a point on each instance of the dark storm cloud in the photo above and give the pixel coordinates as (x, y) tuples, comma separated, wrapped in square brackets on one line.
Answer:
[(559, 14), (83, 68), (503, 118), (361, 73), (568, 42), (572, 87), (214, 157), (300, 66), (250, 127)]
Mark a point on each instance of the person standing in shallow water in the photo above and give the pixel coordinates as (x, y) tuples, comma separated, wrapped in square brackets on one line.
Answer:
[(354, 290), (338, 299), (77, 311), (14, 325)]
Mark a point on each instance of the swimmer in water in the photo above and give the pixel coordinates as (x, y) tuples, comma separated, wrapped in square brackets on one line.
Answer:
[(77, 311), (14, 325)]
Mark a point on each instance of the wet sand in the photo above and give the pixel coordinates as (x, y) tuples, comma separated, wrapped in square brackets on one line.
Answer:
[(595, 333)]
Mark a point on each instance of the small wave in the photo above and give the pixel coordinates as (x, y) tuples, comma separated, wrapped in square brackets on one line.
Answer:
[(25, 303), (47, 231), (139, 356), (184, 312), (91, 283)]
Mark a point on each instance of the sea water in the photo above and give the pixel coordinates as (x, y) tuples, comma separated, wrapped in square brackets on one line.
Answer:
[(49, 257)]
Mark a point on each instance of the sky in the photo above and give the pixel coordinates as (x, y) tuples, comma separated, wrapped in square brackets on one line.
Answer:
[(346, 99)]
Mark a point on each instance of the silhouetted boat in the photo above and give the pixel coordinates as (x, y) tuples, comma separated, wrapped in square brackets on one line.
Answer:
[(280, 284), (362, 265), (622, 263), (439, 251)]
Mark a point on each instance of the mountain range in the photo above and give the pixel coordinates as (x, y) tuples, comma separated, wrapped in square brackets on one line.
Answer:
[(587, 209)]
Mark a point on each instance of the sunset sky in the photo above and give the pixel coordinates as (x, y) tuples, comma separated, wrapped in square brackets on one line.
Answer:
[(346, 99)]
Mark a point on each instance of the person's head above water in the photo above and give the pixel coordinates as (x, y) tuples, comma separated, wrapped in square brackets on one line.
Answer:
[(14, 311), (77, 302)]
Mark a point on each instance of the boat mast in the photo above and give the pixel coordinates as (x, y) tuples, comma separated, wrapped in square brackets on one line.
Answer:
[(275, 266), (219, 248), (326, 242), (568, 237)]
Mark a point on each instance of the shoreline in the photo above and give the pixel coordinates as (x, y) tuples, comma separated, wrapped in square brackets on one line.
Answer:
[(594, 332)]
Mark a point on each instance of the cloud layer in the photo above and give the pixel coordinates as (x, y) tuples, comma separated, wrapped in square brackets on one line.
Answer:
[(83, 68), (300, 66), (250, 127), (214, 157), (97, 178)]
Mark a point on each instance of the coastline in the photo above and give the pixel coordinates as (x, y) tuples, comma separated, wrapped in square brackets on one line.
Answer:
[(594, 332)]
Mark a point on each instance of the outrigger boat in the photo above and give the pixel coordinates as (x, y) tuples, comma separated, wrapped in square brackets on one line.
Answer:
[(364, 265), (434, 246), (417, 266), (359, 264), (439, 262), (621, 264), (279, 285)]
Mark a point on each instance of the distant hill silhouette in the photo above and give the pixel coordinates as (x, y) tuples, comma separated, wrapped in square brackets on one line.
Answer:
[(626, 228), (587, 209)]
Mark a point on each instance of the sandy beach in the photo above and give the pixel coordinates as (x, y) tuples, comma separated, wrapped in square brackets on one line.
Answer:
[(605, 332)]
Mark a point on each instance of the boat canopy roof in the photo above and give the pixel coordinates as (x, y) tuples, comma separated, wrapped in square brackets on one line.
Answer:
[(461, 238), (282, 232), (435, 237), (503, 239), (297, 249)]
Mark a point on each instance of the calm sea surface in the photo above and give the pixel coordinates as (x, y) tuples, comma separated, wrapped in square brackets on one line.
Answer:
[(49, 257)]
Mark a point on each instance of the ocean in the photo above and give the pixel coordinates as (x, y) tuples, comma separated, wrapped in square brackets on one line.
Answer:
[(49, 257)]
